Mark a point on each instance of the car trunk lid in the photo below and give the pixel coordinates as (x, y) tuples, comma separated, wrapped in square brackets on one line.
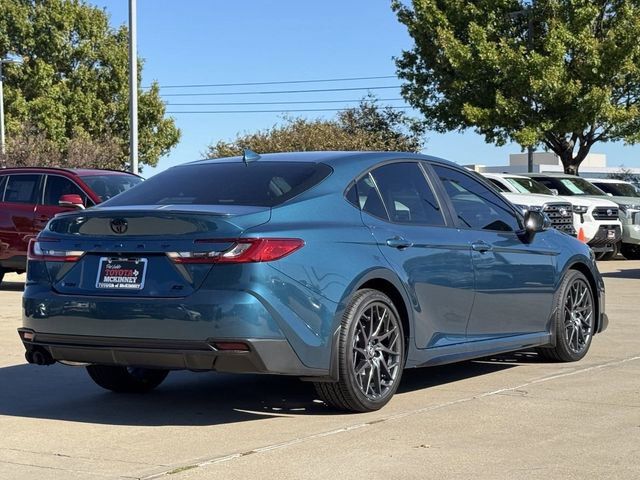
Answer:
[(124, 250)]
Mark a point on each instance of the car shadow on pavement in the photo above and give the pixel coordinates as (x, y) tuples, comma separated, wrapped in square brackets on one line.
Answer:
[(66, 393), (11, 286), (627, 273)]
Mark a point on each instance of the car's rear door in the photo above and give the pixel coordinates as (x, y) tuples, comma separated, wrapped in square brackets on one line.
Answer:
[(21, 192), (415, 235), (514, 280)]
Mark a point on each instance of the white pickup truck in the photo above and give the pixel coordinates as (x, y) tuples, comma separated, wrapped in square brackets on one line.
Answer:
[(594, 220)]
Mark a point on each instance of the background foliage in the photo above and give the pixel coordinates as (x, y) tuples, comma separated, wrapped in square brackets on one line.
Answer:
[(564, 74), (72, 85), (366, 127)]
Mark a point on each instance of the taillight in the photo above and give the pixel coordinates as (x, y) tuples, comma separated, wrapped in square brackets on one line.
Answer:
[(37, 251), (244, 250)]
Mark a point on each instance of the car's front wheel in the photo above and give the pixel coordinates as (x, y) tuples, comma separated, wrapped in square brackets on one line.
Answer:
[(573, 320), (126, 379), (371, 355)]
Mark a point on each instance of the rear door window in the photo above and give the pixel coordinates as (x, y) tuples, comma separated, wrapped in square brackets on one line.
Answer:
[(407, 195), (260, 184), (369, 198), (23, 189)]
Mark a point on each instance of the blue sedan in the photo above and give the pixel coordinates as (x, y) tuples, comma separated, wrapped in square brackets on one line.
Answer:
[(341, 268)]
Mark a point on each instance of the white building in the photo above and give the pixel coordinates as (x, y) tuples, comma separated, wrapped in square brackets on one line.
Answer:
[(595, 165)]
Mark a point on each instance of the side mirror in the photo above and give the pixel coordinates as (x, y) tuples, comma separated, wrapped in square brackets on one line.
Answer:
[(554, 191), (535, 222), (72, 200)]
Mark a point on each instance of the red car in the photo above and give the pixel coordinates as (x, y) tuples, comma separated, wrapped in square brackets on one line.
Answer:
[(29, 197)]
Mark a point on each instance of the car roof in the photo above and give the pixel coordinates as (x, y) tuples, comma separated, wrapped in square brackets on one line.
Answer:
[(551, 175), (608, 180), (503, 175), (346, 165), (333, 158), (81, 172)]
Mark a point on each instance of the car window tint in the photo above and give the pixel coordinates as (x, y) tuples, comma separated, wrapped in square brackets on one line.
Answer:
[(22, 189), (58, 186), (108, 186), (475, 205), (498, 185), (369, 199), (259, 184), (615, 189), (352, 195), (407, 195), (528, 185)]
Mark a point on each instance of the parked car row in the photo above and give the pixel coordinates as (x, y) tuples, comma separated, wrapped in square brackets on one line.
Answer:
[(604, 212)]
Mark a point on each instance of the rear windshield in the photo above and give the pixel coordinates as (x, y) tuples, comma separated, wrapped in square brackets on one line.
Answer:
[(108, 186), (260, 184)]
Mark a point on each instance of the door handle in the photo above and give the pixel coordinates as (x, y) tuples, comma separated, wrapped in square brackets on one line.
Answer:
[(481, 246), (399, 243), (43, 218)]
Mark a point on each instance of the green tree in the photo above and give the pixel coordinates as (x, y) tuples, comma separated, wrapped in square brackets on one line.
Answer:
[(73, 80), (366, 127), (564, 74)]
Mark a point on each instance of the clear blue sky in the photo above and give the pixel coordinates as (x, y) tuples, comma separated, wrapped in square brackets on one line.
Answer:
[(209, 41)]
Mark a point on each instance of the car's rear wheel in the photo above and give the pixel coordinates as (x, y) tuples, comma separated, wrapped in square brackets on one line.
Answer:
[(126, 379), (371, 355), (1, 275), (609, 255), (573, 319), (630, 251)]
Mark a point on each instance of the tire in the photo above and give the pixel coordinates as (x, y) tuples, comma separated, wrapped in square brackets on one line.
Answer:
[(126, 379), (630, 251), (610, 255), (573, 321), (369, 366), (1, 275)]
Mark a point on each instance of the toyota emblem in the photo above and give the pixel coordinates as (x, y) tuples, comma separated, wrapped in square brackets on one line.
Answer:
[(119, 225), (609, 212)]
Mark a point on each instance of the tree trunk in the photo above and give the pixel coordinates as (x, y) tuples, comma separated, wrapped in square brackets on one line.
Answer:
[(570, 162)]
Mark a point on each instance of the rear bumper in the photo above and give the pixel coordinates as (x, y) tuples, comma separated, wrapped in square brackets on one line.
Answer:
[(262, 356)]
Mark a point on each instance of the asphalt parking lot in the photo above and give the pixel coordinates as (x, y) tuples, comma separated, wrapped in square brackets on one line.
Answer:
[(512, 416)]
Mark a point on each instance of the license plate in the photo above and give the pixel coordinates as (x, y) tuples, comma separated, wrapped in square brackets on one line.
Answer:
[(611, 234), (121, 273)]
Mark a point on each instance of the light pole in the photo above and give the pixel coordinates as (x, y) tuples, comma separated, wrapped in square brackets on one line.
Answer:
[(133, 86), (528, 11), (2, 142)]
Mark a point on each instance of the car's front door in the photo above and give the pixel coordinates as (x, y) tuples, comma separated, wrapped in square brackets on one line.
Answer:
[(514, 280), (416, 236), (55, 187)]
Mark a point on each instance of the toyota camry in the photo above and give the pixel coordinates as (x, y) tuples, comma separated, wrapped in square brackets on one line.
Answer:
[(341, 268)]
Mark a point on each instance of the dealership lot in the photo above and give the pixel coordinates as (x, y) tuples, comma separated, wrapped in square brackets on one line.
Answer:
[(512, 416)]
